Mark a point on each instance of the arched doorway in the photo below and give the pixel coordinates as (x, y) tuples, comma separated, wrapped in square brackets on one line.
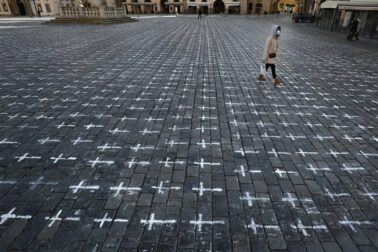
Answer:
[(164, 8), (21, 8), (259, 7), (218, 7)]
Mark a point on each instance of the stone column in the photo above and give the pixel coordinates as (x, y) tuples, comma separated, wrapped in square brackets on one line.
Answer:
[(243, 7)]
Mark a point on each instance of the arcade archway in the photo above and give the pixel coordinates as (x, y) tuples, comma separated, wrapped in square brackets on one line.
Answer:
[(219, 7)]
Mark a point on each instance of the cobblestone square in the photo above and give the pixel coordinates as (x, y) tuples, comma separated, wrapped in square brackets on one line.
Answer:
[(156, 136)]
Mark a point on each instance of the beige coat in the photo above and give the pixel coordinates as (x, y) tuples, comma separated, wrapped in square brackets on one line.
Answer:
[(271, 46)]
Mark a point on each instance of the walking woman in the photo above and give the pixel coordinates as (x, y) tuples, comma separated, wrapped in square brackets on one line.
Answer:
[(270, 54)]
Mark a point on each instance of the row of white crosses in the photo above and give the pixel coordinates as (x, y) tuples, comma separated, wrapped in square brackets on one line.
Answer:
[(198, 223), (282, 173), (302, 153), (160, 188)]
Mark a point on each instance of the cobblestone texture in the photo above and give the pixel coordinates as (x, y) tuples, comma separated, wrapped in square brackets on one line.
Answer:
[(156, 136)]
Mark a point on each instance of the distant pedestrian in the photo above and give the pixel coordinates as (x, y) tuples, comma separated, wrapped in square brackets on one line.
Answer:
[(354, 32), (278, 14), (270, 55), (199, 14)]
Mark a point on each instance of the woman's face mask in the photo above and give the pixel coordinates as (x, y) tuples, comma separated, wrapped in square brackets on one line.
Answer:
[(278, 32)]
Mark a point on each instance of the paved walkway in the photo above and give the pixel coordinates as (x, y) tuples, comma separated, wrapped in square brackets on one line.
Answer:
[(156, 136)]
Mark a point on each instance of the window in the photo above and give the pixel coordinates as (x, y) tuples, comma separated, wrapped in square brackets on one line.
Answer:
[(48, 8)]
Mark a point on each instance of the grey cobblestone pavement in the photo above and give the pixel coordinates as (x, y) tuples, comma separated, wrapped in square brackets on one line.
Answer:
[(156, 136)]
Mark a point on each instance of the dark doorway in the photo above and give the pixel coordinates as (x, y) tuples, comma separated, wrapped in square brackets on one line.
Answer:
[(21, 8), (259, 7), (219, 7), (164, 7)]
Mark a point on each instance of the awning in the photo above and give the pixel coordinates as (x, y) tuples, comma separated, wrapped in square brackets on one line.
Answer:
[(350, 5), (138, 4), (232, 4), (173, 3), (367, 8), (198, 4)]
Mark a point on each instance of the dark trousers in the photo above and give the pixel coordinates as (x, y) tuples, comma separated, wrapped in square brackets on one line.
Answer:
[(273, 67)]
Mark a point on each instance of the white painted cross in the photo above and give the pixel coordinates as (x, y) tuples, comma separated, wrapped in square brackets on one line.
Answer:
[(124, 118), (201, 189), (367, 155), (11, 215), (5, 141), (281, 173), (286, 124), (106, 146), (255, 226), (79, 140), (48, 140), (160, 188), (351, 224), (26, 156), (98, 161), (152, 221), (172, 143), (120, 188), (349, 116), (304, 153), (132, 162), (39, 181), (116, 131), (63, 124), (76, 188), (243, 152), (369, 194), (77, 114), (138, 147), (291, 199), (91, 125), (328, 116), (204, 108), (339, 126), (350, 139), (203, 118), (145, 131), (337, 195), (203, 143), (250, 199), (203, 163), (276, 153), (336, 153), (313, 125), (168, 163), (292, 137), (174, 128), (315, 170), (103, 220), (206, 128), (351, 169), (321, 138), (58, 218), (302, 228), (150, 119), (57, 159), (261, 124), (199, 223)]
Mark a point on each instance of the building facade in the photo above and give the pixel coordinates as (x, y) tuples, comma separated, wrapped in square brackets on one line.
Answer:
[(29, 7), (243, 7), (338, 15)]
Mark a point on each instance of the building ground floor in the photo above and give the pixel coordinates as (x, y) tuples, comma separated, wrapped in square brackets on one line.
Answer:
[(242, 7), (339, 19), (29, 7)]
